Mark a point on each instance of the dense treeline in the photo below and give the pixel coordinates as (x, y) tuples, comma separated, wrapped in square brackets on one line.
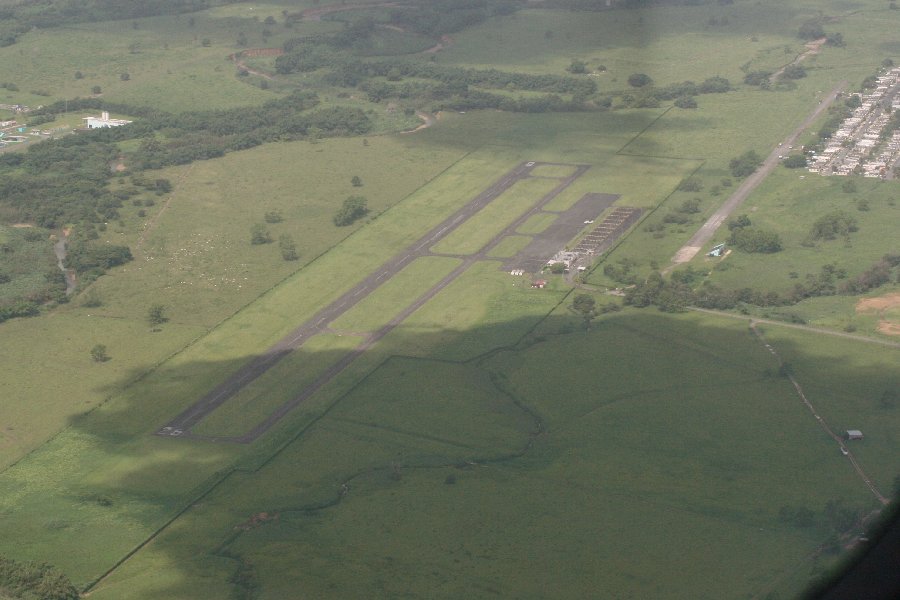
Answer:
[(64, 180), (676, 294), (451, 87), (593, 5), (32, 580), (59, 181), (438, 17), (346, 70), (22, 17)]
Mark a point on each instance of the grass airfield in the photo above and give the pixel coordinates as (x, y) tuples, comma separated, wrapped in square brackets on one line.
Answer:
[(488, 446)]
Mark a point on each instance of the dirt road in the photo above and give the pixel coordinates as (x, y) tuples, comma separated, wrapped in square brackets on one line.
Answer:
[(810, 328), (708, 229), (812, 409)]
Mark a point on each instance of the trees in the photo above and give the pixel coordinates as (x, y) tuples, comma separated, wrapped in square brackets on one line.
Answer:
[(745, 164), (353, 208), (273, 216), (793, 72), (639, 80), (156, 315), (811, 30), (795, 161), (355, 181), (577, 66), (259, 235), (585, 305), (752, 239), (96, 90), (831, 225), (288, 248), (98, 353), (686, 102)]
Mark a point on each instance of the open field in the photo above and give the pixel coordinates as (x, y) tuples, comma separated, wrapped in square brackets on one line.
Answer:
[(399, 456), (489, 435), (383, 304), (789, 206), (478, 231)]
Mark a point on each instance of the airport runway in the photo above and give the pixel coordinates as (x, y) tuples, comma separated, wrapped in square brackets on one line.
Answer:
[(181, 425)]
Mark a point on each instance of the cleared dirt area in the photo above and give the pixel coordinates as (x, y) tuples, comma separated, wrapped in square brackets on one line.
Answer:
[(889, 323)]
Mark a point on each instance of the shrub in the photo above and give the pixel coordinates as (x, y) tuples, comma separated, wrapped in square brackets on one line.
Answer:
[(833, 224), (751, 239), (639, 80), (795, 161), (745, 164), (259, 235), (353, 208)]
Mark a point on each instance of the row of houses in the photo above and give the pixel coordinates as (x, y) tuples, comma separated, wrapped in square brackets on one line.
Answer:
[(850, 150)]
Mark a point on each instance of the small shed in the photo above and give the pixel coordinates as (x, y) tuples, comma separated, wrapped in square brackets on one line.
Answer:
[(853, 434), (539, 283)]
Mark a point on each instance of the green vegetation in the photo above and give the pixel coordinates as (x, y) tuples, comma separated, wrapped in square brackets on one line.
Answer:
[(353, 208), (34, 580), (492, 394)]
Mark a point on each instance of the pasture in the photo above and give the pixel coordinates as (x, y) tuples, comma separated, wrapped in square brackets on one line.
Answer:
[(417, 442)]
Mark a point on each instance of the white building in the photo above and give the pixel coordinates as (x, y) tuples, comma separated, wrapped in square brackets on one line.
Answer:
[(103, 121)]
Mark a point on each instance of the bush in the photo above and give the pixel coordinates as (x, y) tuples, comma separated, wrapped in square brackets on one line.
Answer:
[(690, 206), (690, 185), (353, 208), (811, 30), (98, 353), (793, 72), (273, 216), (745, 164), (288, 248), (833, 224), (639, 80), (795, 161), (259, 235), (751, 239), (686, 102)]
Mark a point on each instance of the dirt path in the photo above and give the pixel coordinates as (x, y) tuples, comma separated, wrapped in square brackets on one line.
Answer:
[(428, 120), (822, 423), (810, 328), (238, 60), (445, 42), (812, 48), (151, 225), (708, 229)]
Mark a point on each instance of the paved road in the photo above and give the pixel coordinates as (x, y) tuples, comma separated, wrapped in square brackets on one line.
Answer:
[(180, 426), (708, 229)]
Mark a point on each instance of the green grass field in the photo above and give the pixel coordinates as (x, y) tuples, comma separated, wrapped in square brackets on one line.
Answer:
[(478, 231), (415, 455)]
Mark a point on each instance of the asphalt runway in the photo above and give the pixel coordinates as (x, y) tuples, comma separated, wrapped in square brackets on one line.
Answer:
[(181, 425), (544, 245)]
